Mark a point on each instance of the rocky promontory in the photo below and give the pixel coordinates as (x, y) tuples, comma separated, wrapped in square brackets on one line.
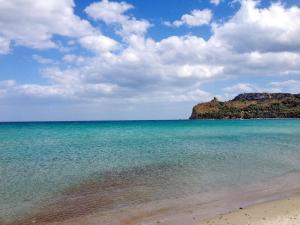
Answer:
[(250, 106)]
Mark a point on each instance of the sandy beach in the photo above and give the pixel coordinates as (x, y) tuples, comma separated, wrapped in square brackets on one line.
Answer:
[(274, 203), (255, 207), (281, 212)]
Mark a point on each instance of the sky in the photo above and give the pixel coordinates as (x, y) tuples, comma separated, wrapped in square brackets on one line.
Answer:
[(134, 60)]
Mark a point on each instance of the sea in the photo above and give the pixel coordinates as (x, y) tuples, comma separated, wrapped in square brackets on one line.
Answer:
[(109, 165)]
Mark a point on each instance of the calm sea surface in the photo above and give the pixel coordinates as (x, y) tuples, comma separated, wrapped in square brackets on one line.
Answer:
[(149, 159)]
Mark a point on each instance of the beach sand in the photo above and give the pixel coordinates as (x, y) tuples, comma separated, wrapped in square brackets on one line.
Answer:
[(272, 203), (276, 203), (281, 212)]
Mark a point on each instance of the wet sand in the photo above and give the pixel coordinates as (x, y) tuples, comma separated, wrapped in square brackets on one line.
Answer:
[(281, 212), (124, 202)]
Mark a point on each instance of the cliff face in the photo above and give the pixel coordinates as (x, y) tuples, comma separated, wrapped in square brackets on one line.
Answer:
[(250, 106)]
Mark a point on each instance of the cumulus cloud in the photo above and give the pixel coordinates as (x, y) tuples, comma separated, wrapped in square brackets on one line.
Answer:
[(289, 86), (292, 86), (109, 12), (141, 69), (114, 13), (196, 18), (98, 43), (59, 91), (215, 2), (273, 29), (242, 88), (144, 67), (33, 23), (231, 91)]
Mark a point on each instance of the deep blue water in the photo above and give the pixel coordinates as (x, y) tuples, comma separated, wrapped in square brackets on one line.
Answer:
[(40, 160)]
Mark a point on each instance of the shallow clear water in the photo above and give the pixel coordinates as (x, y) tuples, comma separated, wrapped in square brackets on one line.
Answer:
[(39, 161)]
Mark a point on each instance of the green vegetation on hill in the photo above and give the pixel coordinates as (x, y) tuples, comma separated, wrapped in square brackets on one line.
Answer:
[(250, 106)]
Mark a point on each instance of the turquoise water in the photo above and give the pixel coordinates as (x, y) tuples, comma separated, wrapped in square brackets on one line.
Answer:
[(40, 161)]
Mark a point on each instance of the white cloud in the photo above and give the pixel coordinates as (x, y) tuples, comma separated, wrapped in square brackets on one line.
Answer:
[(141, 69), (68, 92), (43, 60), (230, 92), (176, 96), (111, 12), (291, 86), (7, 83), (5, 87), (108, 11), (188, 96), (215, 2), (98, 44), (196, 18), (76, 91), (4, 45), (273, 29), (242, 88), (33, 23)]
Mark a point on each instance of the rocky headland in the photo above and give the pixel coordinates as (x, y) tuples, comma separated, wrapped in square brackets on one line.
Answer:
[(250, 106)]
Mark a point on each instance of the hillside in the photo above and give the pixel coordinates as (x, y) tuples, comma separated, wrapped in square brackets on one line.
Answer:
[(250, 106)]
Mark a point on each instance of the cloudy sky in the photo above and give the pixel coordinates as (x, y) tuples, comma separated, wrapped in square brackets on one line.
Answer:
[(133, 59)]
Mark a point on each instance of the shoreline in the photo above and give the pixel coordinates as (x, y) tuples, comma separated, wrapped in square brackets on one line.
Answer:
[(191, 210), (280, 212)]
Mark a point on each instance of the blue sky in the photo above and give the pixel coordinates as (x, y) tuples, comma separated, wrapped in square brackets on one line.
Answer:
[(107, 60)]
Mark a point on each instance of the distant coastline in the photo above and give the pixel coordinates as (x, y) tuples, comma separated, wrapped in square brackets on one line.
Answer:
[(109, 121), (250, 106)]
